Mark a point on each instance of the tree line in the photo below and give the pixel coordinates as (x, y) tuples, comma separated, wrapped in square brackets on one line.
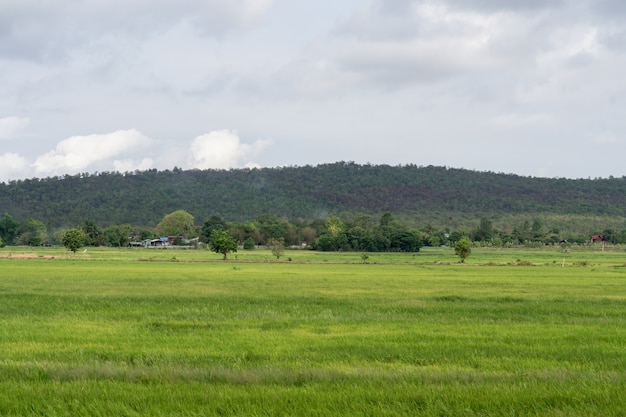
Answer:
[(362, 233)]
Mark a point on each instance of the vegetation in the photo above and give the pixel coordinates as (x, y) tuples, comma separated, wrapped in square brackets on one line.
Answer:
[(405, 334), (463, 249), (417, 196), (222, 242), (178, 224), (377, 319), (73, 239), (277, 246), (363, 234), (31, 232), (8, 229), (334, 207)]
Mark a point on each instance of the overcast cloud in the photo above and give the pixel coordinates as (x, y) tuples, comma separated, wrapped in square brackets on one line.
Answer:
[(532, 88)]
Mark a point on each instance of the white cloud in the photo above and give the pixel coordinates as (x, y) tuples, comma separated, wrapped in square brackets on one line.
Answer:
[(12, 166), (9, 126), (223, 149), (79, 152)]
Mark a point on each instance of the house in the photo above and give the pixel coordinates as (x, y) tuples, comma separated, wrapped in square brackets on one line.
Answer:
[(597, 239), (163, 241)]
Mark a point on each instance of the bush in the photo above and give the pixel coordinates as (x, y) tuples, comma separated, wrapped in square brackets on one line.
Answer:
[(249, 244), (463, 249)]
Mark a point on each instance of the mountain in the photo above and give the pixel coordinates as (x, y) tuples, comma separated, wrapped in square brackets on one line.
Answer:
[(439, 196)]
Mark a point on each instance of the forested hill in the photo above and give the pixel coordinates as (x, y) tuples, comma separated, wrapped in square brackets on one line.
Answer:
[(423, 194)]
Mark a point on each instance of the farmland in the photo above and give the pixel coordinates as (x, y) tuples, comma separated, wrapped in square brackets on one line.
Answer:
[(518, 332)]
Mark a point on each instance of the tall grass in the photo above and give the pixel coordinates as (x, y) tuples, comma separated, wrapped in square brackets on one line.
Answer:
[(115, 335)]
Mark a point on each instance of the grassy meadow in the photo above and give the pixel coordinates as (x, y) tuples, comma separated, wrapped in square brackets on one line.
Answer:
[(136, 332)]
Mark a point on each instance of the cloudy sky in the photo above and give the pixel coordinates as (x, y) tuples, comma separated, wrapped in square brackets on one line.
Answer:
[(534, 87)]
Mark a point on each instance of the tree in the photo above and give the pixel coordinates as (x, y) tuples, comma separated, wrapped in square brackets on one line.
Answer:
[(1, 243), (399, 238), (237, 231), (463, 249), (536, 228), (249, 244), (332, 242), (335, 237), (335, 226), (177, 223), (484, 231), (8, 228), (73, 239), (119, 236), (93, 234), (385, 220), (308, 235), (222, 242), (271, 227), (406, 241), (32, 233), (277, 246), (214, 222)]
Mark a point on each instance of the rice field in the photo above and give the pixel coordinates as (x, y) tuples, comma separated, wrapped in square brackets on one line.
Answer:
[(512, 332)]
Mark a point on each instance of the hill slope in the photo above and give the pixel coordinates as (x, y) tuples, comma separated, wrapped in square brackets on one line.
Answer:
[(430, 194)]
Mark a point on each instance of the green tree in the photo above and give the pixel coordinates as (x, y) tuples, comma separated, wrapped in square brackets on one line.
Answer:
[(523, 233), (291, 234), (214, 222), (277, 246), (73, 239), (237, 231), (145, 234), (249, 244), (610, 235), (335, 237), (119, 236), (386, 219), (537, 229), (251, 231), (177, 223), (309, 235), (398, 237), (406, 241), (8, 228), (335, 226), (361, 235), (463, 249), (271, 227), (93, 234), (1, 243), (32, 233), (222, 242), (484, 231)]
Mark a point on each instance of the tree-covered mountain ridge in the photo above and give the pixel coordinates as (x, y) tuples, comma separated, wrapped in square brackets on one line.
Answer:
[(417, 194)]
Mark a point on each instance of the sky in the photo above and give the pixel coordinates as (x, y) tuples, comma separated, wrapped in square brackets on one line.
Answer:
[(534, 87)]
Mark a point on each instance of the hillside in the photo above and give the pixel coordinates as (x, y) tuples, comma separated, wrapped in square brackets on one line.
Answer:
[(434, 195)]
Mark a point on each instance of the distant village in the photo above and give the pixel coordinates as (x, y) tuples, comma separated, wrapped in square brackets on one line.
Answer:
[(160, 242)]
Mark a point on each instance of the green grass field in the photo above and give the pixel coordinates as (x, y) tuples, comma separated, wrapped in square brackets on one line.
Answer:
[(180, 333)]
